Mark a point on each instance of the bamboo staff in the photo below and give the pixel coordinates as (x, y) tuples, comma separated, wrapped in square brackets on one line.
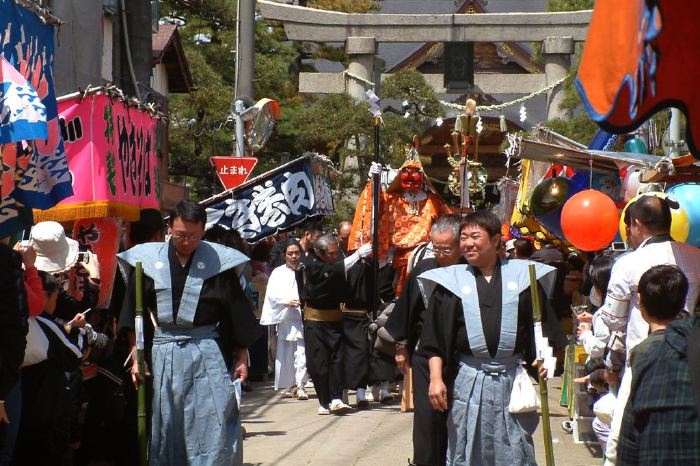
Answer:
[(140, 358), (544, 395)]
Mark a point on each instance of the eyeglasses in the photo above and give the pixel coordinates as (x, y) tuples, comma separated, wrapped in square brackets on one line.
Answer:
[(181, 237), (443, 251)]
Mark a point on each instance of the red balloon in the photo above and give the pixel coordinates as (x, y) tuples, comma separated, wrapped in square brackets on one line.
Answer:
[(589, 220)]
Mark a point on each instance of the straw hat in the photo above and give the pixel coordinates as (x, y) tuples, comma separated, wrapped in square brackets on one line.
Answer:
[(54, 252)]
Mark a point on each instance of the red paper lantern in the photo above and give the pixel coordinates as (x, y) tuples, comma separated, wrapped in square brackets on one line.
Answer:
[(589, 220)]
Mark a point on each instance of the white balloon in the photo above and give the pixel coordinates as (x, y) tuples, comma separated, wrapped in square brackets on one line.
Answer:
[(632, 182)]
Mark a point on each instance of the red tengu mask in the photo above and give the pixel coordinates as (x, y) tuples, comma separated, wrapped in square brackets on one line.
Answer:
[(411, 179)]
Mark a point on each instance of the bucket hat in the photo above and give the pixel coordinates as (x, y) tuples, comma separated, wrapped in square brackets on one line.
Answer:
[(54, 251)]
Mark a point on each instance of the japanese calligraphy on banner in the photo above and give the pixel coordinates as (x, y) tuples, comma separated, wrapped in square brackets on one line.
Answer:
[(34, 172), (101, 237), (274, 201), (111, 154)]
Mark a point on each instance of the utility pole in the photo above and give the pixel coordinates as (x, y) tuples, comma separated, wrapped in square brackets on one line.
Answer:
[(245, 53)]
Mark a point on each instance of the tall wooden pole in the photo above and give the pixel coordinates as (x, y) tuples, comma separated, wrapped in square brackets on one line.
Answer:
[(544, 395), (140, 358), (376, 190)]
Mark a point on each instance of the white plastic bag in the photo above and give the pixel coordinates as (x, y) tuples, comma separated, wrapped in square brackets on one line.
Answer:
[(523, 396)]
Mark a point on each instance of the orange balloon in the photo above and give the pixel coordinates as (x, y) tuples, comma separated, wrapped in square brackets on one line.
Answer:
[(589, 220)]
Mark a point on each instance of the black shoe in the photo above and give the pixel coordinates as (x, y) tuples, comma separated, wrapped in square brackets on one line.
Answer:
[(246, 388)]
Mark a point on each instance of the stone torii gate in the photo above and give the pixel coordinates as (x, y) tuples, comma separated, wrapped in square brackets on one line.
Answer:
[(361, 33)]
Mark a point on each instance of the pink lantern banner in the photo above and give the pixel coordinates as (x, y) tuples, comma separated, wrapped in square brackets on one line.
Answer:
[(111, 154)]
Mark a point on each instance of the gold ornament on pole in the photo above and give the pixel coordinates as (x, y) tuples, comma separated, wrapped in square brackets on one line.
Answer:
[(469, 176)]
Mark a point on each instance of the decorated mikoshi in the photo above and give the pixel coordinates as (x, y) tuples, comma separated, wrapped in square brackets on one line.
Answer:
[(408, 208)]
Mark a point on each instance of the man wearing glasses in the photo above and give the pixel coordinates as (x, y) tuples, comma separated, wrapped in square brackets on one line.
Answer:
[(405, 325), (202, 324)]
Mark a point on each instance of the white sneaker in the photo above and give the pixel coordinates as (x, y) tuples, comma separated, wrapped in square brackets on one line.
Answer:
[(362, 401), (385, 396), (338, 407), (301, 394), (369, 394), (309, 384), (322, 411)]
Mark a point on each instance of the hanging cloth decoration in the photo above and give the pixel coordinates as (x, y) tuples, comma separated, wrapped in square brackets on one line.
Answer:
[(22, 114), (636, 61)]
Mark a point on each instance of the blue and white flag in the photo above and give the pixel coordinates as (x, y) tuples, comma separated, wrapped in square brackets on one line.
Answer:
[(22, 115), (34, 171)]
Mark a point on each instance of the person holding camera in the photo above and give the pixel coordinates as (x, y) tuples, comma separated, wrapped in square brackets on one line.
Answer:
[(57, 254)]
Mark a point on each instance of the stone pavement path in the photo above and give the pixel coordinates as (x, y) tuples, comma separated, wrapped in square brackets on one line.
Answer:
[(288, 432)]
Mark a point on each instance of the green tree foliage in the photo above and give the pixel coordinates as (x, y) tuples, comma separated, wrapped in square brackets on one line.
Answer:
[(341, 129), (200, 128), (569, 5), (345, 6)]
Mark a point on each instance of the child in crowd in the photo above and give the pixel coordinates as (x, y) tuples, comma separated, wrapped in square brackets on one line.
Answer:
[(661, 424), (604, 382)]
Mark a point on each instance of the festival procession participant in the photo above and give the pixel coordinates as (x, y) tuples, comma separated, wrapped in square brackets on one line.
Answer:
[(648, 225), (282, 308), (356, 322), (308, 236), (408, 209), (478, 328), (405, 325), (194, 299), (344, 230), (324, 289)]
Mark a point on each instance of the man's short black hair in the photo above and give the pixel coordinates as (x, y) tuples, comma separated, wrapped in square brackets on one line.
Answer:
[(313, 227), (653, 212), (523, 247), (484, 219), (150, 223), (662, 291), (48, 282), (188, 211)]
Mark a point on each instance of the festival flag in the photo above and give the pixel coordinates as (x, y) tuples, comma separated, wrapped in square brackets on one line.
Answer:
[(22, 115), (34, 171)]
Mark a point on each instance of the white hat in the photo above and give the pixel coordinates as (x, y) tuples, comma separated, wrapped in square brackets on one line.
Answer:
[(54, 252), (510, 244)]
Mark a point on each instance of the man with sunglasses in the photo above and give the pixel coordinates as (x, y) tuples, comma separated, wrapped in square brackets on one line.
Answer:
[(202, 324)]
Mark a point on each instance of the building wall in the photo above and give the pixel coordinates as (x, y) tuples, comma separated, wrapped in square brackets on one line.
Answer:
[(160, 79), (107, 47), (78, 58)]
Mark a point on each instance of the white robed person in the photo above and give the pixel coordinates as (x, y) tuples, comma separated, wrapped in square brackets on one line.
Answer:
[(282, 308), (200, 323), (478, 329)]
